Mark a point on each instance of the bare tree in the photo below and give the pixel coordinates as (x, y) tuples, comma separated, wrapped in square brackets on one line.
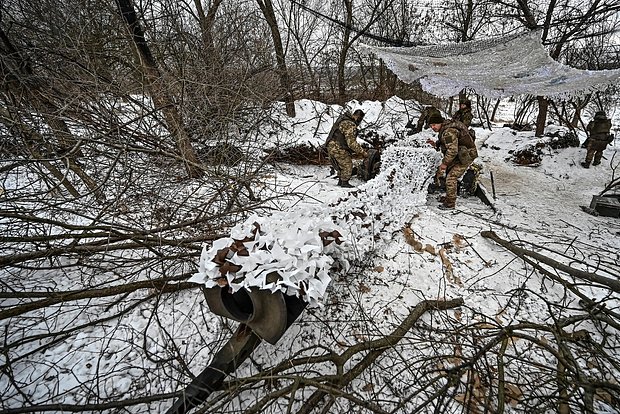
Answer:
[(156, 83), (207, 23), (562, 22), (24, 89), (310, 36), (370, 13), (400, 23), (266, 7), (467, 20)]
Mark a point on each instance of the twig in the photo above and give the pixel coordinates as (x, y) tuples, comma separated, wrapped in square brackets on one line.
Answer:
[(572, 225)]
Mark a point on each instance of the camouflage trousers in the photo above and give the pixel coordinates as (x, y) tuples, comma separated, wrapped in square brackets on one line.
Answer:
[(595, 151), (342, 160), (454, 172)]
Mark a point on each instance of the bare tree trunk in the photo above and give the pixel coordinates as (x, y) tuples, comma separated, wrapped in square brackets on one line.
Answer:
[(611, 283), (495, 110), (579, 105), (266, 7), (467, 19), (342, 58), (157, 90), (206, 22), (541, 119)]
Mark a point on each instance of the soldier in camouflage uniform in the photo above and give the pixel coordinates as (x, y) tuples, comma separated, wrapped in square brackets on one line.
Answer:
[(464, 114), (341, 144), (598, 138), (459, 151)]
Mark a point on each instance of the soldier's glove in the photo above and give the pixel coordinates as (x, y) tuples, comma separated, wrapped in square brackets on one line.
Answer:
[(435, 144)]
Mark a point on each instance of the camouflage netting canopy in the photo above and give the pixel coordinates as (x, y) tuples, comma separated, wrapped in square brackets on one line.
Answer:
[(498, 67)]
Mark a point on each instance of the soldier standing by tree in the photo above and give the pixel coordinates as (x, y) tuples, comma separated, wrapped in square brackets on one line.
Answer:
[(598, 138), (341, 144), (459, 151)]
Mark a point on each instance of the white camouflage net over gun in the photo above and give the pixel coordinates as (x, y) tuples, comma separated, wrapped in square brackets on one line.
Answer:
[(294, 251)]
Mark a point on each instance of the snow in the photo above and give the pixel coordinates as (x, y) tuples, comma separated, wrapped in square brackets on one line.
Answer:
[(398, 250)]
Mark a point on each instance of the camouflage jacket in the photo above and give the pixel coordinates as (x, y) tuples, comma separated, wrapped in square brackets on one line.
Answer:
[(452, 136), (344, 133), (598, 129), (463, 115)]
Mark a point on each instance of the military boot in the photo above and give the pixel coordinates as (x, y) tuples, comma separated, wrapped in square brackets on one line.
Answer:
[(448, 204), (585, 164), (345, 184)]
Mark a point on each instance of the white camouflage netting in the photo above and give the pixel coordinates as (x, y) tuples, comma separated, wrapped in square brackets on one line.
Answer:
[(289, 243), (504, 66)]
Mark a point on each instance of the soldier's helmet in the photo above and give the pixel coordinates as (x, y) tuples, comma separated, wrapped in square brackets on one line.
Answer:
[(600, 115)]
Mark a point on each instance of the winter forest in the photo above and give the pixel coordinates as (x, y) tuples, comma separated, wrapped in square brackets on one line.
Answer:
[(167, 204)]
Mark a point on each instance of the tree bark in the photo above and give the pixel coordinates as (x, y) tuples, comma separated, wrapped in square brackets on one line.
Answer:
[(206, 22), (541, 119), (161, 99), (342, 58), (266, 7)]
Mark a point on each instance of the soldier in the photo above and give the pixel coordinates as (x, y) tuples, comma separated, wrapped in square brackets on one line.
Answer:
[(341, 144), (598, 138), (459, 151), (464, 114), (425, 115)]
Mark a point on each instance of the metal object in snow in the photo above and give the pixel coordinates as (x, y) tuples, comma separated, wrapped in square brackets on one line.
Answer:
[(262, 315)]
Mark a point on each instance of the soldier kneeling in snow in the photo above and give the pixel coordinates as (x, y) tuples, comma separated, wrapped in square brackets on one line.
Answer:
[(459, 151)]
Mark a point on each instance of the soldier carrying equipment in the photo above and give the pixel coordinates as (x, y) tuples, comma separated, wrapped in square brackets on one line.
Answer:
[(464, 114)]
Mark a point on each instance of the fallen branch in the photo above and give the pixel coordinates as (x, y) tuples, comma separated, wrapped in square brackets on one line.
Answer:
[(163, 285), (612, 284), (377, 348)]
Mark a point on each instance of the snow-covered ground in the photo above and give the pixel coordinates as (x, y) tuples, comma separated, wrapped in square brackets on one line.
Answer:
[(401, 250)]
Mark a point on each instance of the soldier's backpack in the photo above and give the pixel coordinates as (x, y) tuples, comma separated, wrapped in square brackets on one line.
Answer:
[(601, 127)]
